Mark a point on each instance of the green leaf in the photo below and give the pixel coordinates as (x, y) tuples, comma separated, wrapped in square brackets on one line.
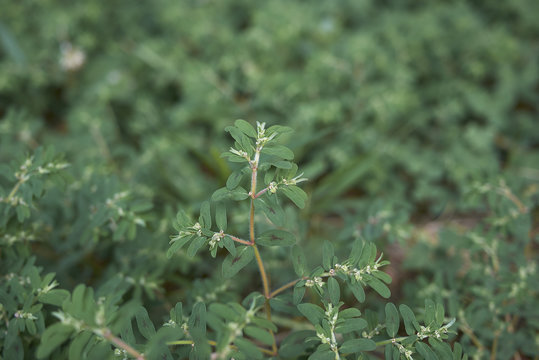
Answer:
[(54, 336), (264, 323), (233, 264), (178, 244), (425, 351), (178, 313), (182, 219), (281, 164), (457, 351), (276, 238), (248, 348), (76, 348), (201, 349), (334, 290), (327, 255), (280, 129), (323, 354), (242, 140), (259, 334), (349, 313), (120, 230), (235, 178), (224, 311), (368, 254), (392, 320), (54, 297), (388, 352), (295, 345), (355, 253), (430, 312), (284, 306), (197, 320), (225, 194), (144, 323), (233, 157), (127, 333), (295, 194), (297, 295), (157, 347), (357, 345), (271, 209), (383, 276), (7, 301), (220, 216), (349, 325), (245, 128), (278, 150), (228, 243), (15, 350), (12, 333), (141, 206), (30, 326), (299, 261), (410, 323), (358, 291), (195, 246), (439, 315), (82, 304), (442, 349), (312, 312), (379, 287), (205, 215)]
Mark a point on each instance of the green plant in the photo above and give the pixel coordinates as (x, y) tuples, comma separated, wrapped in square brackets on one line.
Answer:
[(246, 330), (486, 272), (396, 118)]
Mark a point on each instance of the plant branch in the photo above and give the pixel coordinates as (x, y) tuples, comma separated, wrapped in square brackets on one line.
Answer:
[(286, 286), (261, 192), (494, 348), (245, 242), (121, 344), (468, 331), (390, 341), (263, 274), (12, 193), (505, 191), (252, 223)]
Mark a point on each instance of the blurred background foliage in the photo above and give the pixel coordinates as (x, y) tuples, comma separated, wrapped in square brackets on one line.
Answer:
[(400, 110)]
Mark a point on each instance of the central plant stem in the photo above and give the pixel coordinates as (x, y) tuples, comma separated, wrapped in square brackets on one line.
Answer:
[(263, 275)]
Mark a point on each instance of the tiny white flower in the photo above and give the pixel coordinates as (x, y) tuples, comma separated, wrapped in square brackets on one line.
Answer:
[(240, 153), (272, 187), (71, 58), (295, 180)]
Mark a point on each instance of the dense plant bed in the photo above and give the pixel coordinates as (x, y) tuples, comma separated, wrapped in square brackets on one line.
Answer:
[(394, 210)]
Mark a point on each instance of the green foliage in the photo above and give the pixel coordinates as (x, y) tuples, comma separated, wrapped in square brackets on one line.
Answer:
[(414, 121), (488, 275)]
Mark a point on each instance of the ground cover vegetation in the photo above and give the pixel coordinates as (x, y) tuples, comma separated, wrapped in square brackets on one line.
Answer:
[(380, 199)]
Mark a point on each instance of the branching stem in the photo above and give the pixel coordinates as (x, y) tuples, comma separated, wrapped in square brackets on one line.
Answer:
[(241, 241), (390, 341), (121, 344), (286, 286), (14, 191), (261, 192), (263, 275)]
